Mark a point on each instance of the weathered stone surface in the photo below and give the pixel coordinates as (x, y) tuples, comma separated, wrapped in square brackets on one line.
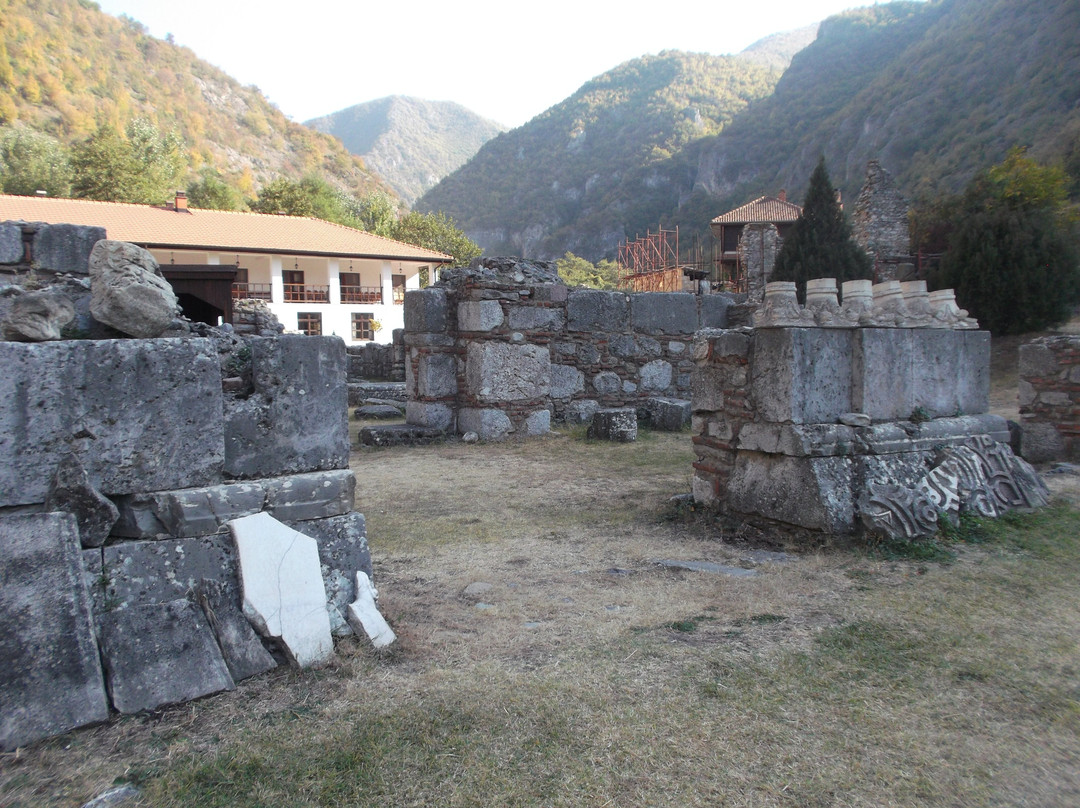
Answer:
[(1041, 442), (161, 571), (623, 346), (437, 376), (284, 595), (594, 310), (378, 412), (65, 247), (606, 383), (364, 615), (535, 318), (241, 649), (426, 311), (316, 495), (580, 411), (71, 492), (537, 423), (668, 414), (714, 311), (617, 424), (124, 796), (479, 315), (707, 566), (500, 372), (11, 243), (167, 433), (664, 312), (297, 418), (401, 435), (566, 381), (489, 424), (343, 550), (812, 492), (160, 653), (656, 375), (429, 414), (128, 291), (37, 316), (187, 512), (50, 680), (802, 375)]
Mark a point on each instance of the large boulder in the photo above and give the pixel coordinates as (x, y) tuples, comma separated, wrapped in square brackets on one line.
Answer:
[(128, 291)]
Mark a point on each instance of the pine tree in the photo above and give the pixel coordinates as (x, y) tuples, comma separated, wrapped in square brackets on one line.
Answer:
[(820, 243)]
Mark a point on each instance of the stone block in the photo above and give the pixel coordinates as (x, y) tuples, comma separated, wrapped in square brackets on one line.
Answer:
[(51, 677), (668, 414), (150, 571), (566, 381), (656, 375), (664, 312), (186, 512), (139, 414), (623, 346), (618, 424), (950, 371), (707, 385), (364, 615), (536, 318), (489, 424), (426, 311), (424, 340), (1037, 360), (343, 550), (549, 293), (436, 376), (283, 591), (401, 435), (714, 311), (595, 310), (429, 414), (479, 315), (811, 492), (65, 247), (537, 423), (498, 371), (241, 649), (801, 375), (580, 411), (316, 495), (128, 291), (71, 492), (606, 383), (297, 418), (882, 373), (1041, 442), (37, 316), (160, 653), (11, 244)]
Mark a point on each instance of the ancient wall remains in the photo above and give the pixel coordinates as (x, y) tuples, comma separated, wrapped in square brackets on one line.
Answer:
[(880, 223), (1050, 398), (854, 426), (373, 361), (121, 464), (504, 347)]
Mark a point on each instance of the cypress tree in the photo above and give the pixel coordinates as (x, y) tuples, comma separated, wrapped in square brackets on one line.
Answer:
[(820, 243)]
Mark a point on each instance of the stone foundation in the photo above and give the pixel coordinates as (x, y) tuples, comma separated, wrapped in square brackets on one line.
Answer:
[(1050, 399)]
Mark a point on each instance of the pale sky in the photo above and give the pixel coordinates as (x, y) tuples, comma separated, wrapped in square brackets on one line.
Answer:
[(507, 61)]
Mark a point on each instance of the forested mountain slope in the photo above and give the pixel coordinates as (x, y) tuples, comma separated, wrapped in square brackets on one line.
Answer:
[(935, 90), (571, 177), (409, 142), (66, 67)]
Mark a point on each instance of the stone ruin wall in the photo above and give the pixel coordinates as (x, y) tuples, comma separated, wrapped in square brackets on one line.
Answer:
[(1050, 398), (374, 361), (796, 424), (180, 435), (880, 224), (494, 352)]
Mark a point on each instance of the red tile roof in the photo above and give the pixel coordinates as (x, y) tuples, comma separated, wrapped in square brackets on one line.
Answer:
[(215, 230), (762, 209)]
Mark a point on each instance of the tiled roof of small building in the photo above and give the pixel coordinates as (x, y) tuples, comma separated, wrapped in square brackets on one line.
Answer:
[(762, 209), (214, 230)]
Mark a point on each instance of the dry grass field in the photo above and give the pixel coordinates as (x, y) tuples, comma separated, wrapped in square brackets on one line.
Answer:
[(580, 672)]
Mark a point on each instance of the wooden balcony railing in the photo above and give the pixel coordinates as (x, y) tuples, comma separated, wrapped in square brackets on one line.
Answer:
[(301, 293), (361, 294), (251, 291)]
